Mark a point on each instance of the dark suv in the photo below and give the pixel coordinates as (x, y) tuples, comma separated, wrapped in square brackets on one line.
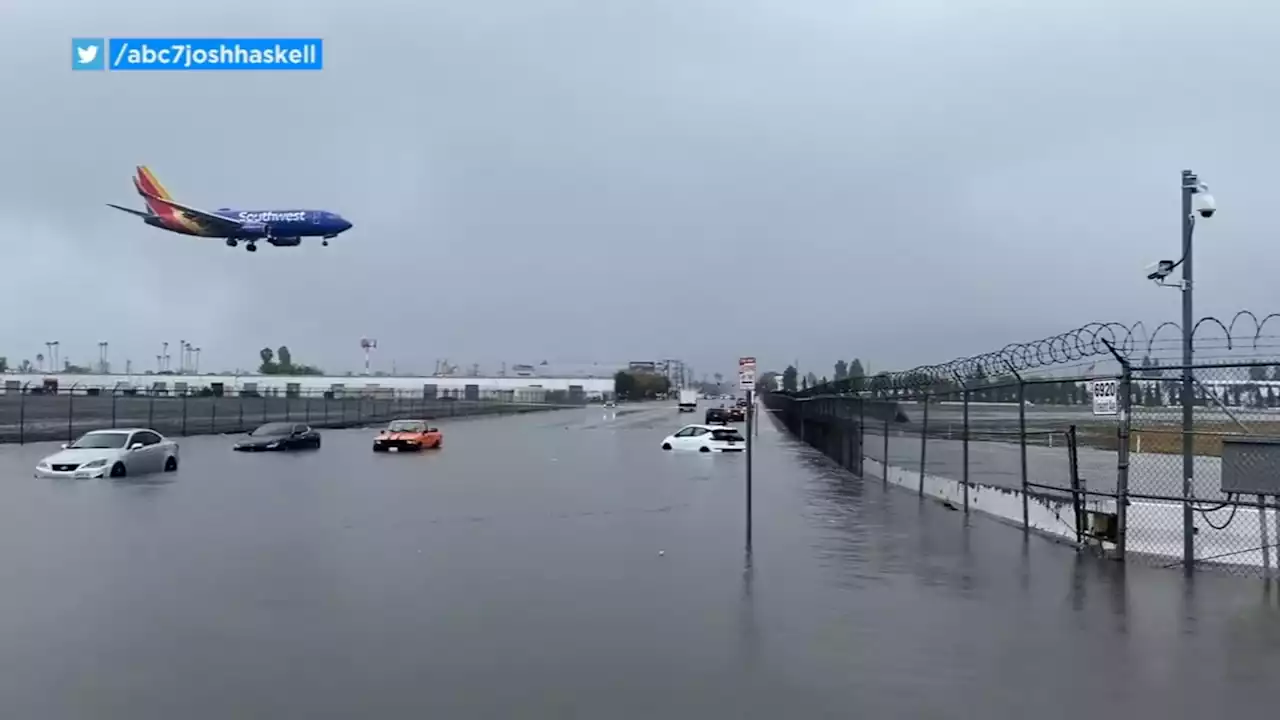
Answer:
[(717, 415)]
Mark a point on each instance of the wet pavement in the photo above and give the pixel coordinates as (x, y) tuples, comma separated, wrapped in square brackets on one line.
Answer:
[(561, 565)]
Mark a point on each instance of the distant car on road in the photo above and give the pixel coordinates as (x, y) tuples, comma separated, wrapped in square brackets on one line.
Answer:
[(717, 415), (610, 403), (112, 453), (407, 435), (705, 438), (737, 414), (280, 436)]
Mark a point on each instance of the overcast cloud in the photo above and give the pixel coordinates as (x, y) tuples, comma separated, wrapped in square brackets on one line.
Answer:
[(611, 180)]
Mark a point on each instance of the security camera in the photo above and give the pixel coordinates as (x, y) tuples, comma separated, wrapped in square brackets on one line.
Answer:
[(1160, 269), (1204, 203)]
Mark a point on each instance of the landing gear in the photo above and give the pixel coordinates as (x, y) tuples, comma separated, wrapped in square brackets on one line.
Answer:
[(251, 247), (324, 243), (231, 242)]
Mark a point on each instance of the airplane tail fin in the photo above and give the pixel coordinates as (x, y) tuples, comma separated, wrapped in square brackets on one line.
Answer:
[(152, 191), (149, 185)]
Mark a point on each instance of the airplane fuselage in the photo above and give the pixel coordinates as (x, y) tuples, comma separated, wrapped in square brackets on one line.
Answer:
[(259, 224)]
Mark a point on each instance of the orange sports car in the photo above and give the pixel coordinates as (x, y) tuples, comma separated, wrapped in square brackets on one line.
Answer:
[(402, 435)]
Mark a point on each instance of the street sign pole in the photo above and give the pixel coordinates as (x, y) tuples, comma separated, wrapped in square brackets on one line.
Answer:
[(747, 383)]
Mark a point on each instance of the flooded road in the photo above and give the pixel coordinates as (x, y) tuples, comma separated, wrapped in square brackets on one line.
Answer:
[(561, 565)]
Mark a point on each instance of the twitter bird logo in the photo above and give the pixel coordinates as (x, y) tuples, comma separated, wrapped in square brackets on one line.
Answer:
[(88, 54)]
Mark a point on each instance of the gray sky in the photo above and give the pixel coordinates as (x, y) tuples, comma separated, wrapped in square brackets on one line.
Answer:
[(902, 181)]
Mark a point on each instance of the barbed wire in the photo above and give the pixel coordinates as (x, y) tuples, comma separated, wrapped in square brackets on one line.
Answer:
[(1093, 340)]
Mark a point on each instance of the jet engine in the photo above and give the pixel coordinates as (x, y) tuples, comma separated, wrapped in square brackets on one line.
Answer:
[(285, 241)]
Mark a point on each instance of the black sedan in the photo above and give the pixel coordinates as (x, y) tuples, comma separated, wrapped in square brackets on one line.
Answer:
[(280, 436), (717, 416)]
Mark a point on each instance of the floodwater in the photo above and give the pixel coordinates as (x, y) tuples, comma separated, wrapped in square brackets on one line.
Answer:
[(561, 565)]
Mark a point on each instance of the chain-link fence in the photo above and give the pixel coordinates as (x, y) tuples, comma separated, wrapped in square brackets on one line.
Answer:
[(34, 413), (1102, 461)]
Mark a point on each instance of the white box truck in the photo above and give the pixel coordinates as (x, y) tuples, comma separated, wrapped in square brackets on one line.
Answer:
[(688, 401)]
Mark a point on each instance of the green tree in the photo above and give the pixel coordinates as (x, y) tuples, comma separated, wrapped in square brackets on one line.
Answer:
[(268, 366), (842, 370), (285, 360), (624, 384), (855, 369), (639, 385), (24, 366), (804, 382), (4, 364), (811, 379), (789, 378), (767, 382)]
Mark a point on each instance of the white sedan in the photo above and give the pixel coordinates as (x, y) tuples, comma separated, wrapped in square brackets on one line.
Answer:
[(112, 453), (706, 438)]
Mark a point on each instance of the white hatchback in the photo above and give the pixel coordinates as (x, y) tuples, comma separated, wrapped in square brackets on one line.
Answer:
[(706, 438), (112, 453)]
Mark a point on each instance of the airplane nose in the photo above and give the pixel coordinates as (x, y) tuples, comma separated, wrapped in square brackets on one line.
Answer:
[(344, 224)]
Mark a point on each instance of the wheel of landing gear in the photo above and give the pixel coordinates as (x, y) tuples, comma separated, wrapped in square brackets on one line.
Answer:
[(251, 247), (231, 242), (324, 243)]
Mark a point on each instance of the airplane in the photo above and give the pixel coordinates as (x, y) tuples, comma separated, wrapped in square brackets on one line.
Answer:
[(282, 228)]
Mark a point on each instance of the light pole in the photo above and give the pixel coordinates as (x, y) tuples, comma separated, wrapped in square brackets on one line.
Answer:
[(182, 356), (196, 369), (1196, 200)]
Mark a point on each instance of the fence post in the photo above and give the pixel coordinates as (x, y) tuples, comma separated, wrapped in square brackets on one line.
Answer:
[(964, 444), (264, 397), (1122, 452), (308, 409), (240, 418), (213, 415), (862, 434), (184, 413), (113, 404), (71, 404), (924, 443), (1022, 445), (22, 414), (884, 468), (287, 416), (151, 408)]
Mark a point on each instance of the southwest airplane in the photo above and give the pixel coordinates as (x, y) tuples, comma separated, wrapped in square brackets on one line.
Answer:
[(282, 228)]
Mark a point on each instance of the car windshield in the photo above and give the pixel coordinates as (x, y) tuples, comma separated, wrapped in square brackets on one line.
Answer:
[(101, 440), (407, 426), (271, 429)]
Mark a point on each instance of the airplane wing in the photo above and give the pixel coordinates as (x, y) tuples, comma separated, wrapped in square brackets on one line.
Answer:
[(205, 218), (131, 211)]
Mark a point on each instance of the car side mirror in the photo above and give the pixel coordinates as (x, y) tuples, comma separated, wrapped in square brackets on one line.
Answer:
[(136, 446)]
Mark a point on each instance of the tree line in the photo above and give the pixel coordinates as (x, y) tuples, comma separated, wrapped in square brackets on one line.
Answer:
[(639, 385), (280, 362)]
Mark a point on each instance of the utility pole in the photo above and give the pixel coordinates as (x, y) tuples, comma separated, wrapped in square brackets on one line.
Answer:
[(1190, 185)]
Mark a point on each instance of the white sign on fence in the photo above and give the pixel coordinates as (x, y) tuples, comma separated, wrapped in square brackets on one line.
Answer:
[(1104, 398), (746, 373)]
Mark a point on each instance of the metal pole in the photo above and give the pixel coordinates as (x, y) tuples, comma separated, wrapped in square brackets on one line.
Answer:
[(1022, 451), (965, 446), (750, 425), (1189, 182), (924, 444)]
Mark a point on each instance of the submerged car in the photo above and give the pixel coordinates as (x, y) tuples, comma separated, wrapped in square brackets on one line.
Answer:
[(280, 436), (408, 435), (112, 453), (705, 438)]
